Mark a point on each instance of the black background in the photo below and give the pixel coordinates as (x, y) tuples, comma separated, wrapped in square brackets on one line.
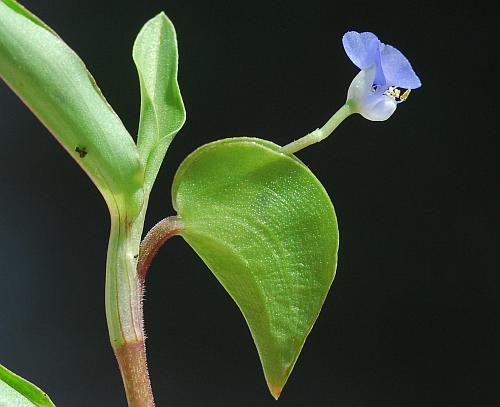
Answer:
[(413, 316)]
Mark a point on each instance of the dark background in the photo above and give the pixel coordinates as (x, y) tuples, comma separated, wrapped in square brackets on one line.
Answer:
[(413, 316)]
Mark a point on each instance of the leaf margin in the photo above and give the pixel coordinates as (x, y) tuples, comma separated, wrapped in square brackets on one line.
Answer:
[(27, 389)]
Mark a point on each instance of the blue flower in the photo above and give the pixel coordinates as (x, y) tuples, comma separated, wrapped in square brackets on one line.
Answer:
[(376, 90)]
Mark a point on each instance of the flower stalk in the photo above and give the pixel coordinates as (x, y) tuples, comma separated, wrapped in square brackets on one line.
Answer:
[(320, 134)]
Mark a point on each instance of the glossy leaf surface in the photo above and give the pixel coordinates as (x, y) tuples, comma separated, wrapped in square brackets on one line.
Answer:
[(266, 228), (17, 392), (162, 110), (55, 84)]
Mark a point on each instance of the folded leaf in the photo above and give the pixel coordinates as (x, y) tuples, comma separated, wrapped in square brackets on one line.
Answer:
[(162, 110), (266, 228), (55, 84), (17, 392)]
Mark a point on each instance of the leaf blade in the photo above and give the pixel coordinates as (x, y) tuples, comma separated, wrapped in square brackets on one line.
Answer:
[(162, 109), (55, 84)]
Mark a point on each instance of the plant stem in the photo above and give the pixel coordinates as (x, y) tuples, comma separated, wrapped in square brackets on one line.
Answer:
[(154, 239), (319, 134), (133, 365), (124, 295)]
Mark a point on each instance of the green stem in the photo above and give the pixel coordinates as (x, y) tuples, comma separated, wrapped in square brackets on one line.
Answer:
[(123, 296), (126, 268), (319, 134)]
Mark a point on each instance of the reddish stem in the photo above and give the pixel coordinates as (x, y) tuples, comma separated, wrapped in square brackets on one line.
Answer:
[(131, 356), (154, 239)]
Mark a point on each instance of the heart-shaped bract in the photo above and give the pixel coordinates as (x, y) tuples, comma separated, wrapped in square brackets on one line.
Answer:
[(266, 228)]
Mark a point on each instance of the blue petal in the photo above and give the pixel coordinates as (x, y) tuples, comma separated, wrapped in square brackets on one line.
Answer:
[(363, 49), (397, 69)]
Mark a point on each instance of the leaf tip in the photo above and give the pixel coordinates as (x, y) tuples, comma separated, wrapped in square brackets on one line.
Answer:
[(276, 392), (163, 17), (276, 382)]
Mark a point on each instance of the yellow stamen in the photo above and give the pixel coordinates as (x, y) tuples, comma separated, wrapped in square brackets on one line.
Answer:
[(405, 95)]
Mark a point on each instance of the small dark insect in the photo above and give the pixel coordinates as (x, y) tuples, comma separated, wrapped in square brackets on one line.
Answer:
[(82, 151), (136, 256)]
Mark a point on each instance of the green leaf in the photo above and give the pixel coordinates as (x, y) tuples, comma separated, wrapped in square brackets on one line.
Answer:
[(266, 228), (55, 84), (162, 110), (18, 8), (17, 392)]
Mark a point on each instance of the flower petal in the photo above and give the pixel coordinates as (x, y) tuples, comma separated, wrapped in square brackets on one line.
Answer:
[(363, 49), (397, 69), (378, 107), (372, 105), (362, 85)]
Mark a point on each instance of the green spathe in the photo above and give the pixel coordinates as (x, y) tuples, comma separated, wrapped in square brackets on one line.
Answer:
[(265, 226)]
